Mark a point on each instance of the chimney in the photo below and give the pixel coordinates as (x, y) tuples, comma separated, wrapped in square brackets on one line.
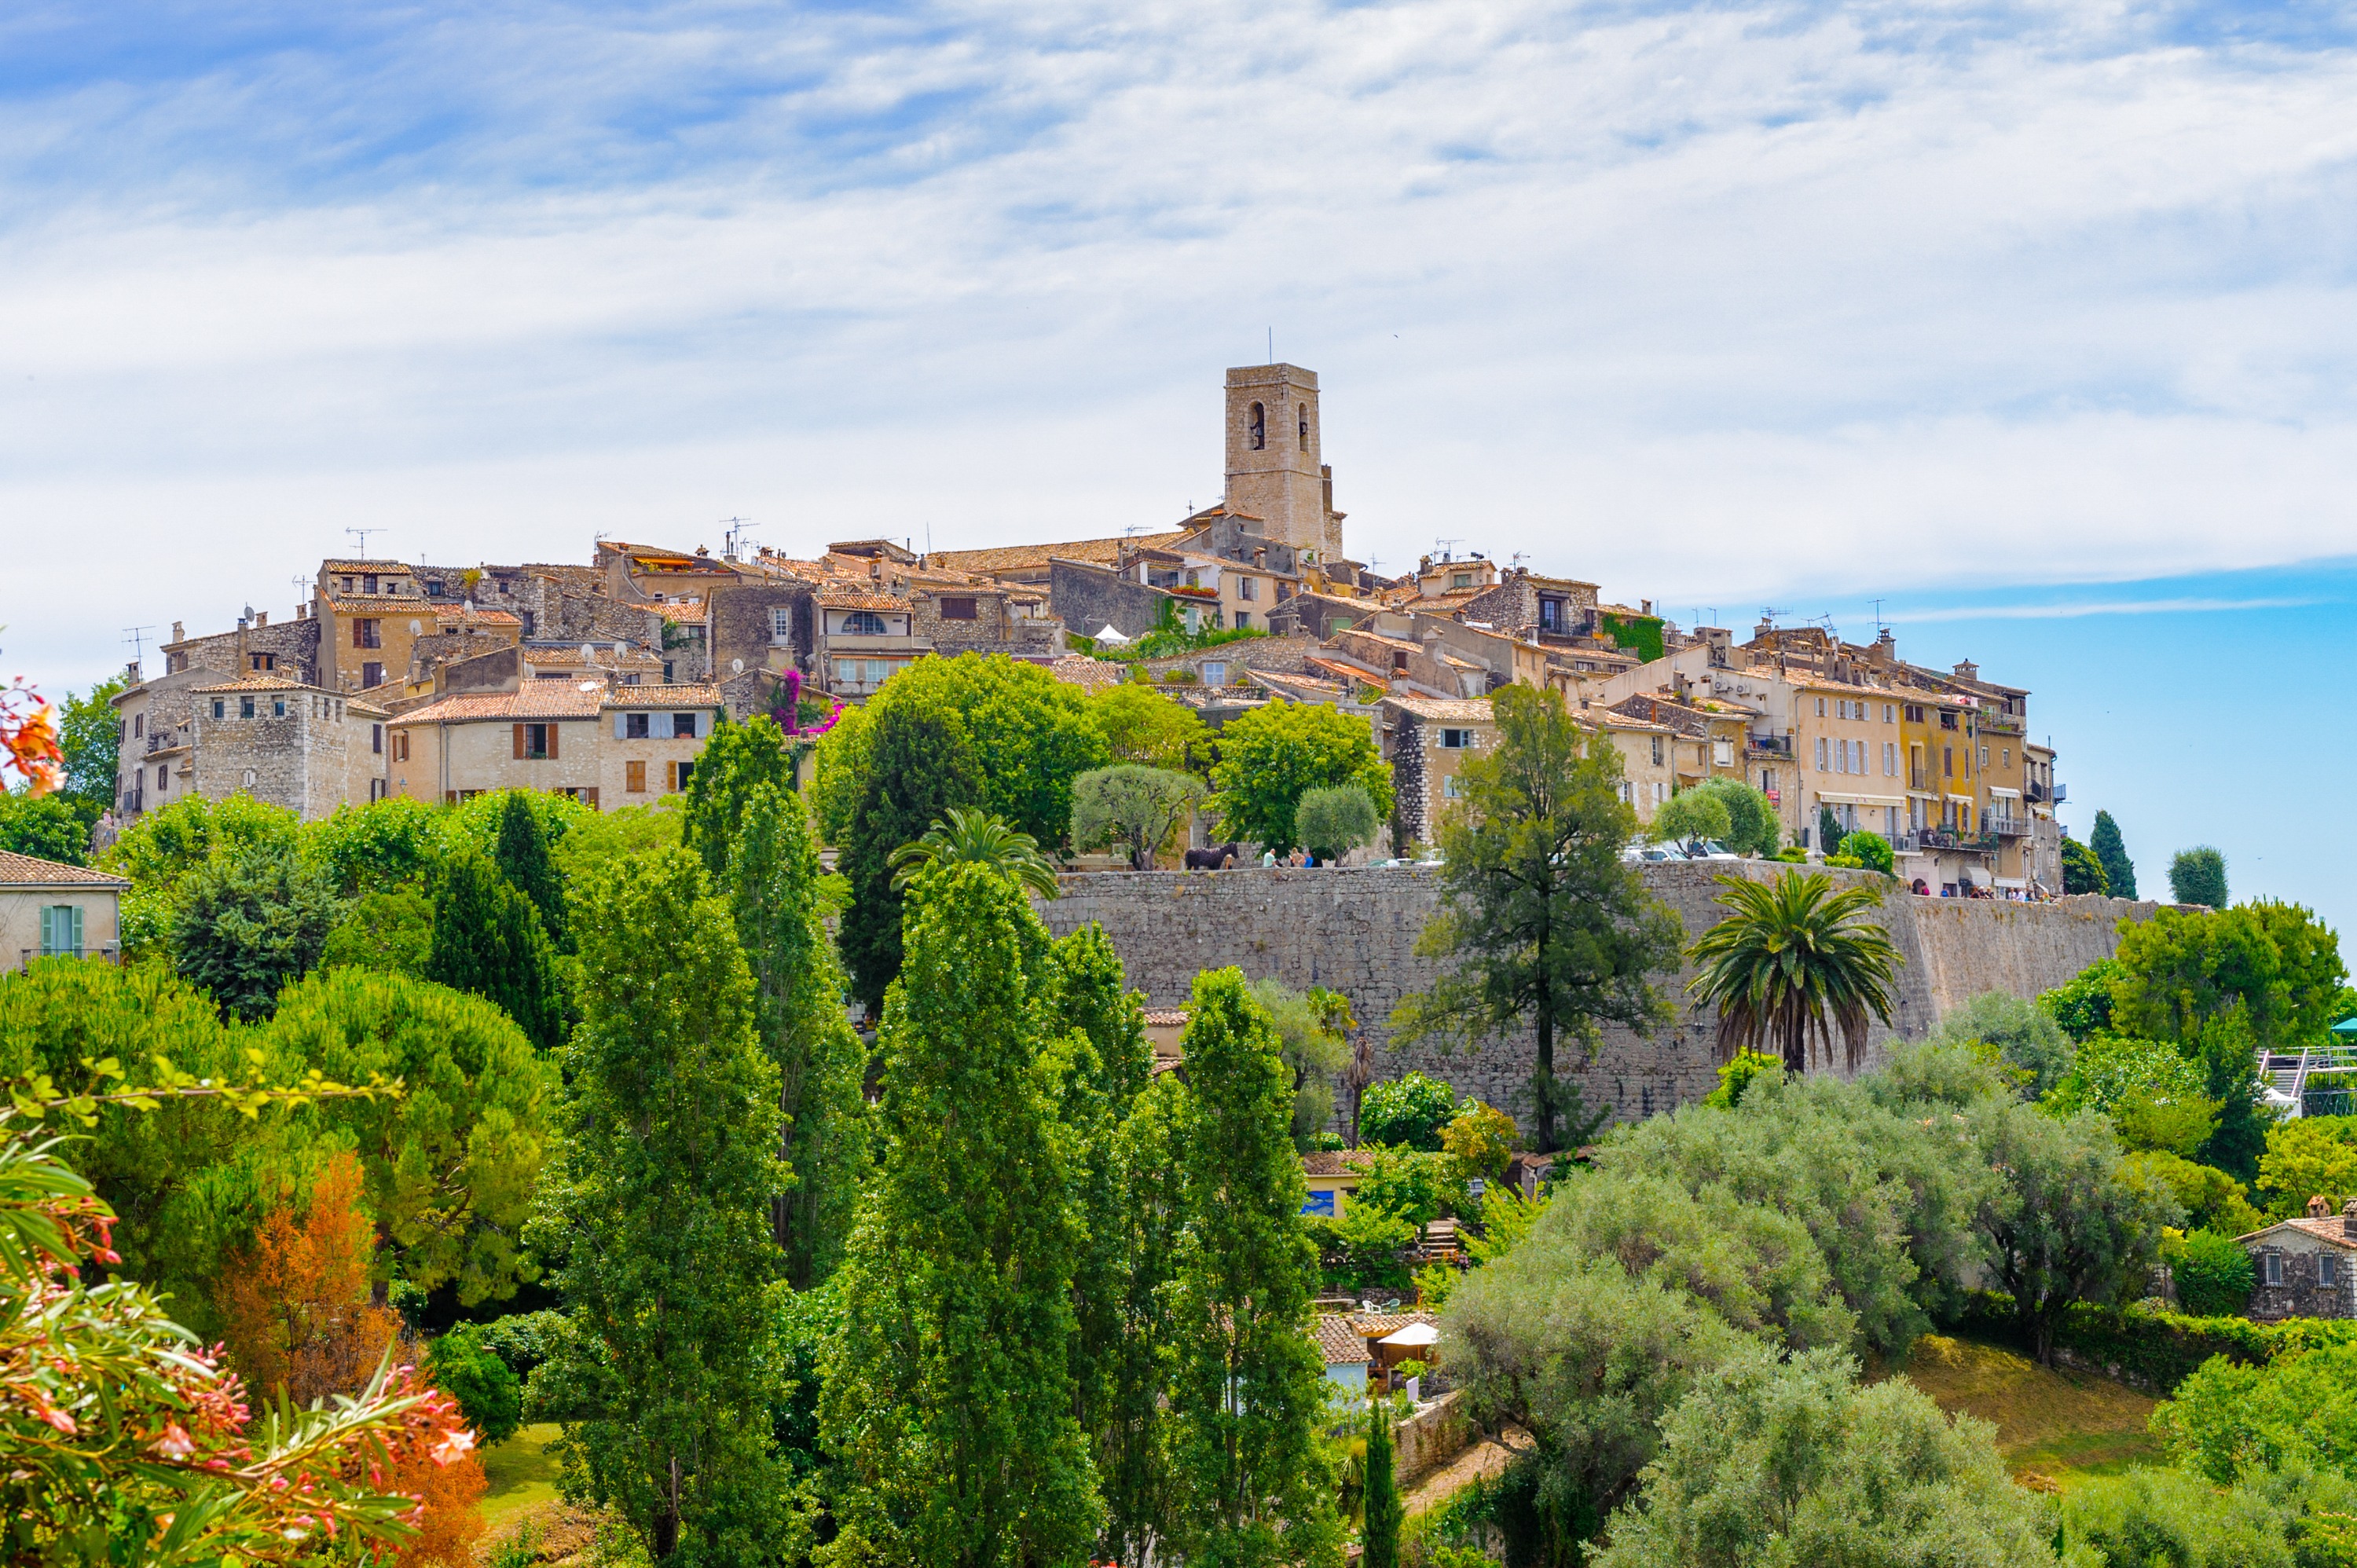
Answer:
[(2319, 1207), (261, 618), (177, 635), (2348, 1217)]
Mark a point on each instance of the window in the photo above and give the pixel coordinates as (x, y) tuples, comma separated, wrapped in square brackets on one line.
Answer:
[(261, 661), (1259, 427), (634, 726), (1985, 756), (683, 727), (1914, 713), (1858, 756), (1947, 721), (1244, 620), (536, 743), (863, 623), (1248, 589), (162, 779), (634, 777), (1461, 579), (1303, 415), (1822, 752), (433, 589), (216, 708), (1657, 751), (278, 707), (1215, 672), (1841, 708), (2008, 757), (401, 746), (846, 672), (1456, 739), (1452, 788), (376, 739), (60, 931), (878, 672), (1890, 714), (2275, 1268), (1722, 752), (1947, 762), (526, 617), (371, 674), (2328, 1271), (1820, 707), (245, 707), (1550, 615), (677, 775), (347, 583), (368, 634), (958, 609), (1891, 759), (139, 725)]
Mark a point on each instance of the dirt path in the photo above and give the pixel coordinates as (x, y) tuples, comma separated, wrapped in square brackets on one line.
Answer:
[(1483, 1461)]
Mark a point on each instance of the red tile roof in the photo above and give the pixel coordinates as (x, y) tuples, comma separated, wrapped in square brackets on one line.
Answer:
[(24, 871), (1339, 1341), (536, 700)]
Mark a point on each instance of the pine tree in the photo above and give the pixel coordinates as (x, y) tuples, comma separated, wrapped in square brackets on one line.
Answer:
[(948, 1401), (659, 1209), (523, 859), (1253, 1483), (2119, 871), (735, 761), (797, 986), (488, 939), (1380, 1531), (919, 764)]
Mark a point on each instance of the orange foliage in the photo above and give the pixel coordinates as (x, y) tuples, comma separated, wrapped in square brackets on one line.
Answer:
[(297, 1302), (28, 740), (452, 1522)]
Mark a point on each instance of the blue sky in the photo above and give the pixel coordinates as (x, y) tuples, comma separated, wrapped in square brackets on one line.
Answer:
[(1972, 309)]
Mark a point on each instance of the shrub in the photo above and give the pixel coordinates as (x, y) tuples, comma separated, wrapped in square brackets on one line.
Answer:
[(2197, 876), (1408, 1111), (2212, 1274), (1869, 850), (485, 1386), (1331, 823)]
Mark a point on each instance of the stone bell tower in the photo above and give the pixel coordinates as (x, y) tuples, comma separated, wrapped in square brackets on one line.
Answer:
[(1274, 472)]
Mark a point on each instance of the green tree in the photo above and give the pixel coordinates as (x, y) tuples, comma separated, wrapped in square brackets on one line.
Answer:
[(1541, 924), (917, 764), (1135, 1469), (89, 736), (249, 921), (797, 986), (2025, 1035), (2228, 1421), (486, 1386), (390, 929), (1408, 1111), (521, 855), (2211, 1199), (2061, 1225), (1143, 726), (1771, 1462), (1831, 836), (1691, 816), (2082, 871), (2151, 1091), (47, 827), (2163, 1516), (1332, 822), (1753, 827), (2197, 876), (948, 1405), (2309, 1157), (487, 940), (2082, 1006), (1311, 1028), (1134, 808), (2212, 1274), (1870, 850), (1253, 1481), (1379, 1530), (976, 838), (737, 760), (387, 843), (658, 1210), (1271, 756), (1794, 963), (2119, 871), (2276, 964), (167, 845), (839, 775), (451, 1164)]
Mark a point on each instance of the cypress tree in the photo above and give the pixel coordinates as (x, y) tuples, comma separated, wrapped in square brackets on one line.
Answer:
[(660, 1208), (736, 760), (521, 855), (488, 939), (798, 985), (1254, 1486), (919, 765), (1379, 1532), (947, 1407), (2119, 871), (1133, 1460)]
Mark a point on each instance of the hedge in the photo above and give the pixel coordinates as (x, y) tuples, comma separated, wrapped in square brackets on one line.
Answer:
[(2158, 1349)]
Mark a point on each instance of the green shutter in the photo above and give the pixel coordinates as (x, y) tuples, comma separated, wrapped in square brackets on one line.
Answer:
[(76, 912), (48, 930)]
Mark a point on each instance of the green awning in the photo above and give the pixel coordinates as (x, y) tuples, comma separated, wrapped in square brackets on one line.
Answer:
[(2346, 1027)]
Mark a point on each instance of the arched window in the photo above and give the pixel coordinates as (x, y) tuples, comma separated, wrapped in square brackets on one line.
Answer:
[(863, 623), (1305, 426), (1259, 427)]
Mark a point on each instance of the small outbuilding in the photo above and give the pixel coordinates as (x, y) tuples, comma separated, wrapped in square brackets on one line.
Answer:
[(2304, 1268), (50, 909)]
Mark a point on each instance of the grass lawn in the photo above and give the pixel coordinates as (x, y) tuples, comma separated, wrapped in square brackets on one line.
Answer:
[(522, 1474), (2062, 1425)]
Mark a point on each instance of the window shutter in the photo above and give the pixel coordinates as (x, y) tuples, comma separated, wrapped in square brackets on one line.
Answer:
[(49, 929), (75, 945), (518, 742), (620, 720), (552, 727)]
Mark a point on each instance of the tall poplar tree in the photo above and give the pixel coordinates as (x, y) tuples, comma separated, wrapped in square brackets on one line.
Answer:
[(488, 939), (1132, 1437), (1253, 1481), (919, 763), (948, 1403), (2119, 871), (521, 855), (798, 985), (737, 760), (660, 1211)]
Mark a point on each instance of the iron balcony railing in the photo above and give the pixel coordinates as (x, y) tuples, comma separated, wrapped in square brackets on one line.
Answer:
[(2007, 827)]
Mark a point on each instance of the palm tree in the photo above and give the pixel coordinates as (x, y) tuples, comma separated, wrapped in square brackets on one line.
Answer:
[(982, 838), (1793, 965)]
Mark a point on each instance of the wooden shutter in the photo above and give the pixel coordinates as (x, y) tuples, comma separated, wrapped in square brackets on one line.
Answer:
[(620, 720), (75, 945), (590, 795), (49, 929), (518, 742), (552, 727)]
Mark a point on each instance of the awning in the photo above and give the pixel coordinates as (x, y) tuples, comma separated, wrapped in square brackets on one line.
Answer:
[(1839, 799), (2008, 794), (1963, 799)]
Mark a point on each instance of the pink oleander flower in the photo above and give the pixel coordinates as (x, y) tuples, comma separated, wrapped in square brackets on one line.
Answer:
[(453, 1447), (175, 1443)]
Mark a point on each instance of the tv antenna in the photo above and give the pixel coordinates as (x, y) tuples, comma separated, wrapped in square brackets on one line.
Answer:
[(362, 535), (1444, 546), (1878, 624), (1517, 559), (734, 539), (136, 637), (1272, 345)]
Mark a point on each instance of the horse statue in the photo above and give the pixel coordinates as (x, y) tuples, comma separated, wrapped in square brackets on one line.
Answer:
[(1218, 857)]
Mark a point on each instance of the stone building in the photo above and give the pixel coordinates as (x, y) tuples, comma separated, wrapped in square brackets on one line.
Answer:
[(1426, 741), (283, 741), (1276, 473), (52, 910), (607, 746), (2302, 1268)]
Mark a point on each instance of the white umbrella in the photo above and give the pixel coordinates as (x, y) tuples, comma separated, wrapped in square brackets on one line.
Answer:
[(1414, 1337), (1110, 636)]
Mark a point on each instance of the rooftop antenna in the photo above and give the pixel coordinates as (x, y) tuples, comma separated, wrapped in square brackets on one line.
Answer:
[(136, 637), (1878, 625), (1272, 345), (1768, 613), (733, 540), (362, 535), (1444, 546)]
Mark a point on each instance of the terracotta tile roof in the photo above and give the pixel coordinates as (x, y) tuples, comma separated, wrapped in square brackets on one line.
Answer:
[(257, 681), (1339, 1341), (2326, 1230), (536, 700), (1301, 687), (1021, 557), (385, 604), (1342, 671), (1630, 725), (1335, 1162), (1165, 1017), (1090, 674), (860, 598), (1375, 1325), (681, 696), (24, 871), (1444, 710), (382, 568), (1385, 638)]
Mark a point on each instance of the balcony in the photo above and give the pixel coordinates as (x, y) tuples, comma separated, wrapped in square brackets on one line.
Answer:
[(1768, 746), (2006, 827), (2035, 793)]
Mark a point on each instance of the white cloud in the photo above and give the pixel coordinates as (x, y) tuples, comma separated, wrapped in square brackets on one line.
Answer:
[(1705, 302)]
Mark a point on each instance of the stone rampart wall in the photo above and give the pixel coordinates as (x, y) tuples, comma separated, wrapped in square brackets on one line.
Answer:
[(1354, 931)]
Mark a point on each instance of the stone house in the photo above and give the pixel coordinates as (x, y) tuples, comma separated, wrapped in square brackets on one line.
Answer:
[(52, 910), (2303, 1267), (268, 732), (605, 746), (1426, 741)]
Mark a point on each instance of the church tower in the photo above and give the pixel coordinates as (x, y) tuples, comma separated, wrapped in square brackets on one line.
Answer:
[(1274, 468)]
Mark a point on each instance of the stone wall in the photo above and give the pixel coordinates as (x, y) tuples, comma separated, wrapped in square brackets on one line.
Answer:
[(1354, 931), (1087, 600)]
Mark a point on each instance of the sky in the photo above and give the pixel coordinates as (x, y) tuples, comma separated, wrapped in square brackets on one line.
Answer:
[(2030, 321)]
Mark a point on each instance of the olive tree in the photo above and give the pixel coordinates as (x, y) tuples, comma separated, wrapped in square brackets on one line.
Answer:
[(1137, 808)]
